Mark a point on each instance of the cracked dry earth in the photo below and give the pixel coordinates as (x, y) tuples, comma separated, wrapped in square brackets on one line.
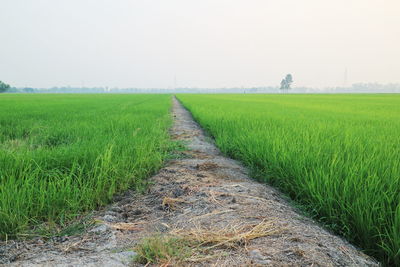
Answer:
[(200, 191)]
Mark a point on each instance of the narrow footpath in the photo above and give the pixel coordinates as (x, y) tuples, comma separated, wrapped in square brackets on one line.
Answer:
[(201, 196)]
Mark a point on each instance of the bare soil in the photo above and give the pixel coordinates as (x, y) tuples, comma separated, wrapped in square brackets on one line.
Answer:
[(200, 192)]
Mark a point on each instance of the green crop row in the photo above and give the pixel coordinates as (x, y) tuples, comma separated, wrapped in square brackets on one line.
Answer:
[(61, 155), (337, 155)]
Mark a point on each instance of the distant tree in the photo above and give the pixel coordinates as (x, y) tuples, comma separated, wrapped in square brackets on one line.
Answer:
[(4, 87), (287, 82)]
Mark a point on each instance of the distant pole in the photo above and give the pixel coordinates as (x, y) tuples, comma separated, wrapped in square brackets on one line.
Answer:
[(345, 78)]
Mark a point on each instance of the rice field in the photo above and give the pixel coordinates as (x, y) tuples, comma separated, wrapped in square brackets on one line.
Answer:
[(61, 155), (337, 155)]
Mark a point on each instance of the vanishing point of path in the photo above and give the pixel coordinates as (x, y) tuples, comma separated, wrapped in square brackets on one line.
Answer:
[(202, 194)]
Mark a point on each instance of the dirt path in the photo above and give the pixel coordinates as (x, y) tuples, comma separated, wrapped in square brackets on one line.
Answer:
[(201, 196)]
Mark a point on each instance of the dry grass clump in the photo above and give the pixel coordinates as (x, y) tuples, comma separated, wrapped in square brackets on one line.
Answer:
[(170, 203), (196, 244), (206, 166), (127, 226), (232, 236)]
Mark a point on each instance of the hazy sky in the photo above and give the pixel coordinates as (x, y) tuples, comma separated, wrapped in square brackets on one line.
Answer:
[(205, 43)]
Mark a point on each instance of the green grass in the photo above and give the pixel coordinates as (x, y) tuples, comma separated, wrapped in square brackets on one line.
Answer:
[(338, 155), (162, 249), (61, 155)]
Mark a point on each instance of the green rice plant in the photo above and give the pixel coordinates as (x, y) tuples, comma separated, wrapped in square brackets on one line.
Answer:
[(337, 155), (61, 155)]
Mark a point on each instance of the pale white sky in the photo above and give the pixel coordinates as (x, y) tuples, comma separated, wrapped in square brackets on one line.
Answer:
[(205, 43)]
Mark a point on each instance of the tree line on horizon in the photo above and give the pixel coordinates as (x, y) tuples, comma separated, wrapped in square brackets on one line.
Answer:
[(285, 86)]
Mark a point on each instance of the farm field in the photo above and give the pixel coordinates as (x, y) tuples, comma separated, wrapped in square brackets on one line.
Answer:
[(64, 154), (337, 155)]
